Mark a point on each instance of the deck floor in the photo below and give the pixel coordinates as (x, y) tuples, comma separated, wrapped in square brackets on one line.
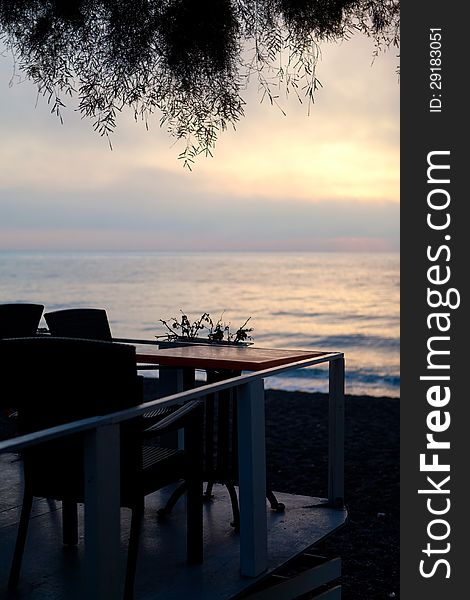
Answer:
[(52, 571)]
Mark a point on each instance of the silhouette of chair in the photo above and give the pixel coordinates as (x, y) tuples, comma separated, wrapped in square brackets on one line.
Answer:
[(220, 448), (93, 324), (19, 320), (84, 323), (53, 394)]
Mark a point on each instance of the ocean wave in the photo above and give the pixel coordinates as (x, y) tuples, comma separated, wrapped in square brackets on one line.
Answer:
[(357, 339), (325, 315), (352, 376), (339, 341)]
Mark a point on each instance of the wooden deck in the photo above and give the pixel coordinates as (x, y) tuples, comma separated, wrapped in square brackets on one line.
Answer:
[(53, 571)]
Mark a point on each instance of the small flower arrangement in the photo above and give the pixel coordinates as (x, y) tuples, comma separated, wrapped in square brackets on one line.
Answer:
[(218, 332)]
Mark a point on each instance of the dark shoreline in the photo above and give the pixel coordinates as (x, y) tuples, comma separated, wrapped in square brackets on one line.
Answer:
[(297, 438)]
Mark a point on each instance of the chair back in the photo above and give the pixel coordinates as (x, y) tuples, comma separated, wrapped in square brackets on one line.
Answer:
[(19, 320), (63, 381), (84, 323)]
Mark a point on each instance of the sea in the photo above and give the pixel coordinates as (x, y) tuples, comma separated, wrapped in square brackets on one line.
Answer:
[(347, 302)]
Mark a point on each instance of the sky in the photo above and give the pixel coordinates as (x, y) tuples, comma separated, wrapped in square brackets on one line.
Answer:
[(328, 181)]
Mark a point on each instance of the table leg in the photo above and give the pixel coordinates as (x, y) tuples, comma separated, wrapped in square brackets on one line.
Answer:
[(170, 381), (336, 434), (252, 478)]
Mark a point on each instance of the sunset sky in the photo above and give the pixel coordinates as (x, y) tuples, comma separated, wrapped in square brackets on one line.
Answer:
[(328, 181)]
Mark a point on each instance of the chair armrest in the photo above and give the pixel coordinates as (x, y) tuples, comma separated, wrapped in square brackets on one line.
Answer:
[(153, 342), (176, 420)]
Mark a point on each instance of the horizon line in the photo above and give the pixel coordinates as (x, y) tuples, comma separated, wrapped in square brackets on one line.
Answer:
[(200, 250)]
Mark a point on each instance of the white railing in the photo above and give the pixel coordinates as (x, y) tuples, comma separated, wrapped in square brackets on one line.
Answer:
[(101, 460)]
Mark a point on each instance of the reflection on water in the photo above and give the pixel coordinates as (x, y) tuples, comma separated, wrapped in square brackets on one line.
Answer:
[(332, 301)]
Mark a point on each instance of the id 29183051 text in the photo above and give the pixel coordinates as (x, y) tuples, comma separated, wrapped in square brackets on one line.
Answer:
[(435, 70)]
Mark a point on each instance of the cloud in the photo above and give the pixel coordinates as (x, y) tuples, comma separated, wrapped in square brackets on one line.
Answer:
[(166, 216), (324, 181)]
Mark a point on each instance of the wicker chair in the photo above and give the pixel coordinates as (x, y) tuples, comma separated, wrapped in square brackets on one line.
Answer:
[(92, 324), (85, 323), (52, 394), (19, 320)]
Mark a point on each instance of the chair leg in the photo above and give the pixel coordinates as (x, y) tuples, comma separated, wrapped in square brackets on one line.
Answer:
[(69, 523), (194, 483), (194, 526), (173, 499), (274, 502), (208, 493), (20, 539), (235, 509), (132, 553)]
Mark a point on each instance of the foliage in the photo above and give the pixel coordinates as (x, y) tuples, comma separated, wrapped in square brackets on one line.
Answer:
[(187, 61), (216, 332)]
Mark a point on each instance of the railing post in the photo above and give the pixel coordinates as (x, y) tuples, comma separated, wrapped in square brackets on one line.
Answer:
[(252, 478), (103, 577), (336, 433)]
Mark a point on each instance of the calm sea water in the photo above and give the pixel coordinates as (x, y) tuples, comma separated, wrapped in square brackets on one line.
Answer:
[(327, 301)]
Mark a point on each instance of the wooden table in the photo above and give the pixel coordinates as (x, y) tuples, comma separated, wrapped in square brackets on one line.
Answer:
[(213, 356), (251, 424)]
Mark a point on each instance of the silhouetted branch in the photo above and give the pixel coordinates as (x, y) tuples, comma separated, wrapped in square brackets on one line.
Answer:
[(186, 60)]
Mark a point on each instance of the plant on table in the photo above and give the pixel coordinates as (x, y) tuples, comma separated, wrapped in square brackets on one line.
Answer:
[(216, 332)]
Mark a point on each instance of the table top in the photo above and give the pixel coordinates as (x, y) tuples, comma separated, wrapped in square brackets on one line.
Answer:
[(242, 358)]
